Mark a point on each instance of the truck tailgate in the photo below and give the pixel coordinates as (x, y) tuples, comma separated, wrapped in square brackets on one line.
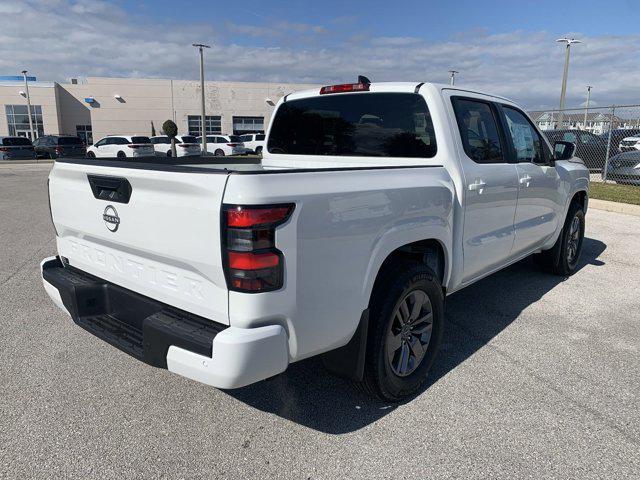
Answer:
[(151, 231)]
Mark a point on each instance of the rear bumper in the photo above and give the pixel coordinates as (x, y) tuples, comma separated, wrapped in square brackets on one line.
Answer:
[(163, 336)]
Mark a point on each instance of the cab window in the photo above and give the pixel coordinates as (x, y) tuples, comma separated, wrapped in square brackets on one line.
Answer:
[(525, 139), (478, 130)]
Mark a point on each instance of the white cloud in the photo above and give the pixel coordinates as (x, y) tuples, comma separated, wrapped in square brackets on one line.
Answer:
[(57, 39)]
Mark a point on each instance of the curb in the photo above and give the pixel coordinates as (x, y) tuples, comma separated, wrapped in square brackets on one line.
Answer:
[(617, 207), (26, 162)]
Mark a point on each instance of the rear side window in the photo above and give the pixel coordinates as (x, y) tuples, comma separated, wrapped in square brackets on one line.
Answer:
[(259, 138), (69, 141), (478, 130), (140, 140), (16, 141), (360, 124)]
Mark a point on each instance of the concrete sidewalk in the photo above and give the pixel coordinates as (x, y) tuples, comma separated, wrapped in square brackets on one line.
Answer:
[(617, 207)]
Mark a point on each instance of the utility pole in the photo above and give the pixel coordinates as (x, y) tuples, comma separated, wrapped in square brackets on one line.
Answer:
[(563, 92), (453, 76), (26, 87), (201, 47), (586, 107)]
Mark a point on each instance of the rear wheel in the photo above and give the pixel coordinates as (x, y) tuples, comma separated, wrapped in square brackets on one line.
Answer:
[(168, 153), (405, 330), (219, 153), (562, 259), (121, 154)]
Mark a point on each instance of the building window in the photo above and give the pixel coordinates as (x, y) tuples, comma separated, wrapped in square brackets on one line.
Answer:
[(248, 125), (18, 120), (212, 124), (85, 133)]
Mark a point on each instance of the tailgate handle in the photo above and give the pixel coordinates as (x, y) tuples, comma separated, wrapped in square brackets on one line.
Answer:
[(112, 189)]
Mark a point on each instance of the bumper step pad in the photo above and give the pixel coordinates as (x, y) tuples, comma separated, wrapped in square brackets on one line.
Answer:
[(137, 325)]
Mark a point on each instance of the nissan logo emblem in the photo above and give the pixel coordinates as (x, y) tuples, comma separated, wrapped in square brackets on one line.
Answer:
[(111, 218)]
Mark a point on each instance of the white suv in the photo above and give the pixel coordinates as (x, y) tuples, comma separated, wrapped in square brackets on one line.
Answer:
[(121, 146), (223, 145), (255, 142), (186, 146)]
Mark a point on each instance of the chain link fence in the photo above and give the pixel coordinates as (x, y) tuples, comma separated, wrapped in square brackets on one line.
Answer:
[(607, 139)]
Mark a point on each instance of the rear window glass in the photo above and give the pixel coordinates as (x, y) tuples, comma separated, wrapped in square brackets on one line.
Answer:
[(361, 124), (16, 141), (259, 138), (69, 141), (140, 140), (235, 138), (189, 139)]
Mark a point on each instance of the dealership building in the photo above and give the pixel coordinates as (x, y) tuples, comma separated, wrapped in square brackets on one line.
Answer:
[(95, 107)]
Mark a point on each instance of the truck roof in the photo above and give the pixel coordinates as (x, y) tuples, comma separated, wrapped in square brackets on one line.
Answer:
[(397, 87)]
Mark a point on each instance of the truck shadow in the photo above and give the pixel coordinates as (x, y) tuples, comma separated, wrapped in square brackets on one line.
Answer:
[(308, 395)]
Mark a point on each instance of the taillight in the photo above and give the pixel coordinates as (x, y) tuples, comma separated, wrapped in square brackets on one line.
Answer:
[(252, 262), (4, 149), (135, 146), (59, 149), (345, 87), (232, 144)]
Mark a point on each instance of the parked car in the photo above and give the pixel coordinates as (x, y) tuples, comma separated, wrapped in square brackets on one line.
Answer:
[(371, 204), (592, 149), (186, 146), (254, 142), (122, 146), (55, 146), (222, 145), (16, 148), (630, 144), (624, 168), (617, 136)]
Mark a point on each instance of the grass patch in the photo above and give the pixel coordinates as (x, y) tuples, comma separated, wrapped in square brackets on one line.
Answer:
[(615, 193)]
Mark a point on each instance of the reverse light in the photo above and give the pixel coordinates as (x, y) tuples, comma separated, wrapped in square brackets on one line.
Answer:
[(252, 263), (345, 87)]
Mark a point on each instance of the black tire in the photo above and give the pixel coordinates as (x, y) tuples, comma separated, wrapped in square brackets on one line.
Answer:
[(219, 153), (399, 282), (121, 154), (259, 151), (563, 258), (91, 155), (168, 153)]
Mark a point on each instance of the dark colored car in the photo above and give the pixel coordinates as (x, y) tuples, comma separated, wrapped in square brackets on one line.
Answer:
[(55, 146), (16, 148), (592, 149), (624, 168)]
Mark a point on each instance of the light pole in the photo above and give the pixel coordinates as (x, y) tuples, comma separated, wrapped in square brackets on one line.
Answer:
[(201, 47), (453, 76), (26, 87), (586, 107), (563, 92)]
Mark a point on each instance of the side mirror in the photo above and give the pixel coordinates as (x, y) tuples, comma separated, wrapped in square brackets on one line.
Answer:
[(563, 150)]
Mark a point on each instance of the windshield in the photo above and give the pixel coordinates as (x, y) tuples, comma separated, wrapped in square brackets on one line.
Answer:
[(361, 124), (140, 140), (16, 141), (69, 141)]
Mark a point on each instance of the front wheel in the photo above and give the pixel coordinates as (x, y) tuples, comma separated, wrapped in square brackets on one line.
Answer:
[(562, 259), (91, 155), (405, 330)]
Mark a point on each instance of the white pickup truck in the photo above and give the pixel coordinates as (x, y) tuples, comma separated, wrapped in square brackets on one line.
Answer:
[(373, 202)]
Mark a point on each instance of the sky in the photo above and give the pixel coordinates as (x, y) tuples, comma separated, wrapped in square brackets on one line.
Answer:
[(504, 47)]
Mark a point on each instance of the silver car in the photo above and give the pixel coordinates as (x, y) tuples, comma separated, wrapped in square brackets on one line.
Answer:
[(16, 148), (624, 168)]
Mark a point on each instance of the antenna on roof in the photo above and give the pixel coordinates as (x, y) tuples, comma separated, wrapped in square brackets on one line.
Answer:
[(363, 79)]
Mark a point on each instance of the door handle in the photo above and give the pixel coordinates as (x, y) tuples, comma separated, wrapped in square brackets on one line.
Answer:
[(478, 186), (525, 180)]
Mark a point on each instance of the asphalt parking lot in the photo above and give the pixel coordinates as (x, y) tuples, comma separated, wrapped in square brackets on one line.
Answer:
[(538, 377)]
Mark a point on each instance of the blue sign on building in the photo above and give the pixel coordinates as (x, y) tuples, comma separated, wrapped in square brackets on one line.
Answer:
[(16, 78)]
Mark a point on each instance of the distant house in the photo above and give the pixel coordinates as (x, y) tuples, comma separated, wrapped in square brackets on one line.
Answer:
[(597, 122)]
